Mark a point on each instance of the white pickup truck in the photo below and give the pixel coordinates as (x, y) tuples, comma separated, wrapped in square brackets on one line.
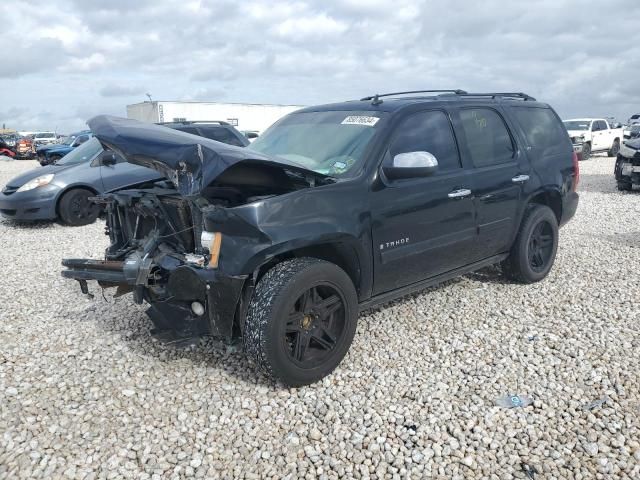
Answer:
[(595, 134)]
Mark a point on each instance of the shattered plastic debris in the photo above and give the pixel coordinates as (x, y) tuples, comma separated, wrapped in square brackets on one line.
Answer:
[(596, 403), (529, 471), (532, 338), (514, 401)]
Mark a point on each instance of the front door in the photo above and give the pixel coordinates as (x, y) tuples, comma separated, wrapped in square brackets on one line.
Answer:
[(122, 174), (422, 227)]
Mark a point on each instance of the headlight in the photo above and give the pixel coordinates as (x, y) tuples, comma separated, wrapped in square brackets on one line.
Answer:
[(212, 242), (40, 181)]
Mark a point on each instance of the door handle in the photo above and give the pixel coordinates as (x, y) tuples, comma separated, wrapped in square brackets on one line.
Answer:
[(520, 178), (464, 192)]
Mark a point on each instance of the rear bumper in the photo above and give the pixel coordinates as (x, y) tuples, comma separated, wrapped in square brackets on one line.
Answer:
[(569, 207), (171, 301), (28, 206)]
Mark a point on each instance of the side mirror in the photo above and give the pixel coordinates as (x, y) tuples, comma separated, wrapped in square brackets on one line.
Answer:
[(411, 165), (108, 158)]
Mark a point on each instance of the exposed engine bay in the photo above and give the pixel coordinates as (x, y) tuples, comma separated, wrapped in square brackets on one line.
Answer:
[(162, 251)]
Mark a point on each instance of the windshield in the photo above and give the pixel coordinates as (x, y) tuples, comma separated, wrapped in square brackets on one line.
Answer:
[(84, 153), (331, 143), (576, 124)]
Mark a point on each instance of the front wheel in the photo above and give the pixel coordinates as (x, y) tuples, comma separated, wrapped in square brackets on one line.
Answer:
[(586, 151), (534, 251), (301, 320), (76, 209)]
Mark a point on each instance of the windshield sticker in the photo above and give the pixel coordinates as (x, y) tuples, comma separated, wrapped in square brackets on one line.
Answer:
[(360, 120)]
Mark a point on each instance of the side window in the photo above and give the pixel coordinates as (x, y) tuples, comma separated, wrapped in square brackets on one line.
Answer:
[(427, 132), (221, 135), (602, 125), (542, 128), (595, 126), (488, 139), (81, 139)]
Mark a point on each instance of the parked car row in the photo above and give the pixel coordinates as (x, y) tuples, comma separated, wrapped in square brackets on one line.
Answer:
[(53, 152), (79, 168)]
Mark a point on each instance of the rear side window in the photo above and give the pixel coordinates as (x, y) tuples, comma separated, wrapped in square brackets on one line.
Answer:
[(427, 132), (541, 127), (487, 137), (221, 134)]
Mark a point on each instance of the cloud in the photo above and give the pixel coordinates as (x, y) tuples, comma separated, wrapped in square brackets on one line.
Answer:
[(121, 91), (91, 52)]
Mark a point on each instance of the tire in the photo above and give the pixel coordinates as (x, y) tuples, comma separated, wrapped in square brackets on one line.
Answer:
[(75, 209), (301, 320), (534, 250), (625, 186), (586, 151), (615, 148), (53, 159)]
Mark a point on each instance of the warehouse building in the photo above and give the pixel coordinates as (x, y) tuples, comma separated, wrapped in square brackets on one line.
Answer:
[(243, 116)]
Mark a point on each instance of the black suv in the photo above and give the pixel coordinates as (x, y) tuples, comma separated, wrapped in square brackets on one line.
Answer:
[(215, 130), (334, 209)]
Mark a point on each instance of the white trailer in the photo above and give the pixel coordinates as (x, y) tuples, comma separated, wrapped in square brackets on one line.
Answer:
[(243, 116)]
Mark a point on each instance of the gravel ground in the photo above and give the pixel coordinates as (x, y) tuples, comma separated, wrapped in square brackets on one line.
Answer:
[(86, 393)]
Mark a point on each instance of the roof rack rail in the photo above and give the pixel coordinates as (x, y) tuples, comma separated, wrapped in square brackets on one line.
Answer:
[(376, 98), (189, 122), (521, 95)]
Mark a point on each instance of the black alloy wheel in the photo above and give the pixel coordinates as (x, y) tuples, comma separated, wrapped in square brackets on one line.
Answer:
[(315, 325), (534, 251), (301, 320), (586, 151), (540, 247)]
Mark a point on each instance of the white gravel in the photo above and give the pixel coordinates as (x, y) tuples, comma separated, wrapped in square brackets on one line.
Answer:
[(86, 393)]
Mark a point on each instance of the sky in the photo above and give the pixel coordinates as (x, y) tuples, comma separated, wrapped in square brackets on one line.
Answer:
[(65, 61)]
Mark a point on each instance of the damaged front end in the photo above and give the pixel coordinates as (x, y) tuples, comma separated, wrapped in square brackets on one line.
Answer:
[(161, 255), (166, 238)]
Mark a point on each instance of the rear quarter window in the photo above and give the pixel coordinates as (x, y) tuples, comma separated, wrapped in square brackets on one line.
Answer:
[(542, 128)]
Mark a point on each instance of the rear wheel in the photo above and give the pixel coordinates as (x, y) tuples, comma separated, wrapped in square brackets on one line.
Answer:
[(534, 251), (586, 151), (301, 320), (625, 186), (76, 209), (615, 148)]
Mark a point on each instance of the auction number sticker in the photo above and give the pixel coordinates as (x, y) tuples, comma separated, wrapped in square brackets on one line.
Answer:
[(360, 120)]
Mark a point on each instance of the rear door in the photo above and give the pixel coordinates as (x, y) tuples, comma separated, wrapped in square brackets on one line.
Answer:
[(422, 227), (499, 172)]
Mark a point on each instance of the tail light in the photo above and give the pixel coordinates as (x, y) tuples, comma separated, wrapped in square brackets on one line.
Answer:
[(576, 171)]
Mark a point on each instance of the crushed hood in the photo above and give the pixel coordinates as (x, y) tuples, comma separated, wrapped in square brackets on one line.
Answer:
[(189, 161)]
